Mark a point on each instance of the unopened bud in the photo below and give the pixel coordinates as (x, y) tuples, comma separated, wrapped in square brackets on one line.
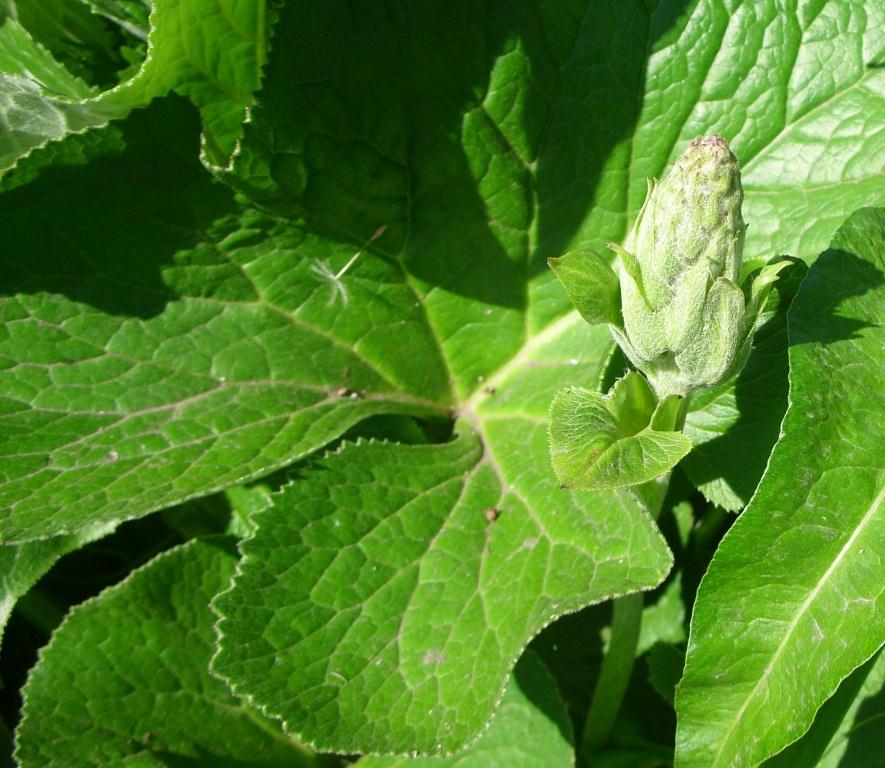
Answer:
[(683, 311)]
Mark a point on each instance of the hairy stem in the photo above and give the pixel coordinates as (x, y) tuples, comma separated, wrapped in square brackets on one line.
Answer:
[(617, 665)]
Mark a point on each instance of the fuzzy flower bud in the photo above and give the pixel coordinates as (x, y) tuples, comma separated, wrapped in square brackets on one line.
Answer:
[(686, 321)]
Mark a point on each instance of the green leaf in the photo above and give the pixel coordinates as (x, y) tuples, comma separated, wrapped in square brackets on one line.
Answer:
[(185, 345), (509, 174), (664, 620), (21, 566), (131, 15), (611, 441), (450, 152), (21, 55), (389, 576), (208, 50), (851, 716), (591, 284), (125, 678), (665, 665), (531, 728), (796, 584), (713, 71), (78, 40)]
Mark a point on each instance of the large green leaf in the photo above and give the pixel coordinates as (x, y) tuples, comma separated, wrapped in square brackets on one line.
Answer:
[(125, 681), (531, 729), (163, 341), (182, 345), (797, 583), (470, 185), (389, 576), (782, 106), (208, 50)]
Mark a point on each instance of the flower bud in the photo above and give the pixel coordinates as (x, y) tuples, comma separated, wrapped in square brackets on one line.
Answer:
[(686, 322)]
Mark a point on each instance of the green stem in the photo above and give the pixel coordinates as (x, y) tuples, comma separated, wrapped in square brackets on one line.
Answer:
[(617, 665)]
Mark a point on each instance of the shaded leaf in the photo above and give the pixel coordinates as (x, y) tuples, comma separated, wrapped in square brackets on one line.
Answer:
[(21, 55), (78, 40), (125, 678), (183, 346), (665, 665), (210, 51), (22, 565)]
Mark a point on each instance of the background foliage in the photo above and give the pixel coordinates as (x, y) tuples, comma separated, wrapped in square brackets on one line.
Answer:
[(182, 348)]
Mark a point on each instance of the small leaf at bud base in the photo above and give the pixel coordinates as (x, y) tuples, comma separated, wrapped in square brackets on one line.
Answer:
[(616, 440)]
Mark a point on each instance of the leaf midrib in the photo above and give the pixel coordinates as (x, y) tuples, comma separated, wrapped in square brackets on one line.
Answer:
[(869, 515)]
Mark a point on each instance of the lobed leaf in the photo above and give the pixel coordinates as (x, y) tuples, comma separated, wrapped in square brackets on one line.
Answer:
[(758, 626), (184, 345), (387, 593), (450, 152)]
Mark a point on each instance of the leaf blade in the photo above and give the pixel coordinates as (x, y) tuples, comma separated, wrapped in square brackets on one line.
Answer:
[(206, 355), (150, 637), (464, 551), (828, 504), (531, 727)]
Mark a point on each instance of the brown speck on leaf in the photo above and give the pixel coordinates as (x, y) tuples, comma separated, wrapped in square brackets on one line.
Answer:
[(489, 390), (492, 514)]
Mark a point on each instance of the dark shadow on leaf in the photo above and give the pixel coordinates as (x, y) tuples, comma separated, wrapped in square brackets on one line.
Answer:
[(866, 739), (571, 647), (416, 118), (534, 681), (837, 275), (600, 91), (102, 231), (204, 758)]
